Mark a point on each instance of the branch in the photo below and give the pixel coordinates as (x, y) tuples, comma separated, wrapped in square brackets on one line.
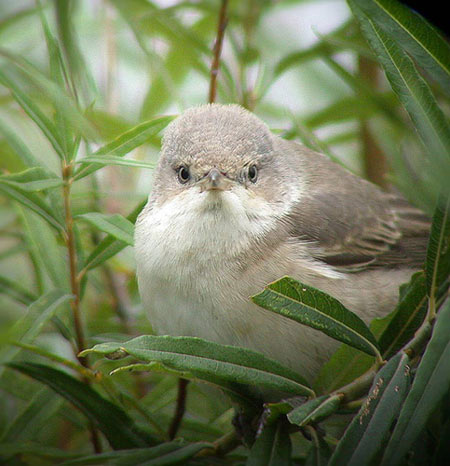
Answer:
[(217, 50)]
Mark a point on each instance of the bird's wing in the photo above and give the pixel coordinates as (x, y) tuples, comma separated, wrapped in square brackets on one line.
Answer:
[(351, 223)]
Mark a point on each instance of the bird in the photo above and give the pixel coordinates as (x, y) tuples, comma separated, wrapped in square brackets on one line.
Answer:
[(235, 207)]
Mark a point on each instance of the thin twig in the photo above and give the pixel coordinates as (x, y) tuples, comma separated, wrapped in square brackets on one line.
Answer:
[(217, 50), (180, 408), (74, 283), (374, 158), (75, 286)]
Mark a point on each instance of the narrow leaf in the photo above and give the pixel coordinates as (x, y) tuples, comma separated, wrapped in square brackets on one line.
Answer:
[(126, 142), (50, 256), (273, 411), (272, 447), (19, 147), (316, 309), (115, 225), (210, 361), (106, 160), (314, 410), (407, 317), (369, 429), (425, 44), (32, 179), (29, 326), (31, 419), (115, 424), (34, 112), (16, 291), (34, 449), (176, 452), (431, 384), (437, 265), (110, 246), (412, 90), (32, 201)]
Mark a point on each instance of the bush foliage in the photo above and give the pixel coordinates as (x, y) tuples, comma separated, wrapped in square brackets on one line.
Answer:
[(74, 156)]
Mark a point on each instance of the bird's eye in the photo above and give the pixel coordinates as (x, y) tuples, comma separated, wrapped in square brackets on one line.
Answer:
[(183, 174), (253, 173)]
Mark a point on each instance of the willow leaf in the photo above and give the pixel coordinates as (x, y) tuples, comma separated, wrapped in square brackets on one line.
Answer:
[(115, 225), (369, 429), (126, 142), (210, 361), (412, 90), (115, 424), (110, 246), (317, 310), (272, 447), (431, 384), (437, 266), (105, 160), (419, 38), (32, 179), (314, 410)]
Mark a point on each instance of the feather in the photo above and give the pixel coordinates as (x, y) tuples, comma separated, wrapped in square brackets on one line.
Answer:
[(350, 223)]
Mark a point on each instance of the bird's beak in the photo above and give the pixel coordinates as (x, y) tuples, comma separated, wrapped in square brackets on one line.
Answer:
[(215, 181)]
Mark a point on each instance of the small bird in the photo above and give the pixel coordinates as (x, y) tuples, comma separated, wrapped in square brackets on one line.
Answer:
[(235, 207)]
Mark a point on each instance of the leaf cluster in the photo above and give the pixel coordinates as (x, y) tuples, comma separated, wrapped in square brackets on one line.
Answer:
[(67, 277)]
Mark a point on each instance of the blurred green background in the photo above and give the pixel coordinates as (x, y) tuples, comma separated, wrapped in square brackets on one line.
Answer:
[(301, 66)]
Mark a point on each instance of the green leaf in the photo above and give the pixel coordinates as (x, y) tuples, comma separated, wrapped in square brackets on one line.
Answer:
[(34, 112), (431, 384), (407, 317), (412, 90), (273, 411), (29, 326), (437, 265), (419, 38), (24, 75), (176, 452), (212, 362), (369, 429), (34, 449), (126, 142), (106, 160), (314, 410), (32, 179), (19, 147), (317, 310), (115, 225), (110, 246), (32, 201), (272, 447), (43, 245), (320, 452), (16, 291), (31, 419), (393, 332), (342, 38), (115, 424), (349, 108)]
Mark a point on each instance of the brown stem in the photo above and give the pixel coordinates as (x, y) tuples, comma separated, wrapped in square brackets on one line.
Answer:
[(180, 408), (375, 163), (74, 282), (222, 24), (75, 286)]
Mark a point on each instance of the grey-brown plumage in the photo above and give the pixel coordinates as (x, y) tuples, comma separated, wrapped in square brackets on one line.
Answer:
[(235, 207)]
